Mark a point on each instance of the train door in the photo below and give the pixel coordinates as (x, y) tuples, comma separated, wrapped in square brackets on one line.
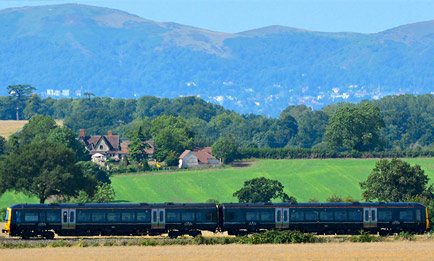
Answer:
[(158, 218), (282, 218), (68, 218), (369, 217)]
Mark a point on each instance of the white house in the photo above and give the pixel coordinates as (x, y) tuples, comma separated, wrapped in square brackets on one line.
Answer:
[(198, 157)]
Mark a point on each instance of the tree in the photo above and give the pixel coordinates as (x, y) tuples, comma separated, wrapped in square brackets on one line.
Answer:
[(355, 128), (138, 146), (67, 137), (262, 190), (394, 181), (20, 93), (104, 194), (2, 145), (44, 169), (36, 130), (94, 171), (225, 149)]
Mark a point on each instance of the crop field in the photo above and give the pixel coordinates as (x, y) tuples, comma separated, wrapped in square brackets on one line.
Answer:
[(304, 179), (8, 127), (403, 250)]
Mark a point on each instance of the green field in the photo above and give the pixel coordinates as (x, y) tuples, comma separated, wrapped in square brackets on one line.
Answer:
[(303, 179)]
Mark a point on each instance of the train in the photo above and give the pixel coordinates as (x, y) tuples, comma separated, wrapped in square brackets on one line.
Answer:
[(176, 219)]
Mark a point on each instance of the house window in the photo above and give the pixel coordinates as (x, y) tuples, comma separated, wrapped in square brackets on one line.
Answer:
[(101, 147)]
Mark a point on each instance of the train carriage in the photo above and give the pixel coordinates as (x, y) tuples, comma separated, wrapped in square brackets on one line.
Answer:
[(324, 218), (29, 220)]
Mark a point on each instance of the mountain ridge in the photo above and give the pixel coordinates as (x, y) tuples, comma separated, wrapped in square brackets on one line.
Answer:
[(65, 50)]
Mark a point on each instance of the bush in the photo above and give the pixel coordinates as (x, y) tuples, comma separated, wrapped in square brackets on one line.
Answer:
[(2, 214), (365, 237), (405, 236), (60, 243), (279, 237)]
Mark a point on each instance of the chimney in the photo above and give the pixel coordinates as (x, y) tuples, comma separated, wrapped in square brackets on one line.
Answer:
[(82, 133), (110, 133)]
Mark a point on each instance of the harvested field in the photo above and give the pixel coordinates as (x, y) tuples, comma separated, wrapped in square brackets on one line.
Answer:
[(330, 251)]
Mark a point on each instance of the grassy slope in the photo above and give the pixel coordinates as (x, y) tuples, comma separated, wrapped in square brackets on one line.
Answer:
[(303, 179)]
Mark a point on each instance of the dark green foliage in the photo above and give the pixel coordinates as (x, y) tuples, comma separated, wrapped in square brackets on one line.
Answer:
[(365, 237), (405, 236), (138, 146), (279, 237), (20, 93), (262, 190), (172, 159), (225, 149), (355, 128), (336, 198), (395, 181), (2, 145), (36, 130), (2, 214), (44, 169), (211, 200), (67, 137), (93, 170)]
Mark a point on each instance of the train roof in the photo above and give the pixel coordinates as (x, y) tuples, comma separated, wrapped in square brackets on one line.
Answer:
[(114, 205), (328, 204)]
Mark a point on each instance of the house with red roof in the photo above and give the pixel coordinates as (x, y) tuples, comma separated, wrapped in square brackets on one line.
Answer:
[(198, 157), (102, 147)]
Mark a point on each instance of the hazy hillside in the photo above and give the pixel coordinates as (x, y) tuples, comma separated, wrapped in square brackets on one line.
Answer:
[(65, 50)]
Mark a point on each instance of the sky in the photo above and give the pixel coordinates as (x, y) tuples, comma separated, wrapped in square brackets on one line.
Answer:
[(232, 16)]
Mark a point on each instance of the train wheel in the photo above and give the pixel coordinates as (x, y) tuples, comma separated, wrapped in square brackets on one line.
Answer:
[(25, 235), (49, 235), (173, 234)]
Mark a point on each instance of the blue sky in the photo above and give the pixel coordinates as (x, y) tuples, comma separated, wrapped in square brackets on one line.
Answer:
[(364, 16)]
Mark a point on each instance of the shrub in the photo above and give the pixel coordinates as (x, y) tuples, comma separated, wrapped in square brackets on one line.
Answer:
[(60, 243), (405, 236), (365, 237), (279, 237)]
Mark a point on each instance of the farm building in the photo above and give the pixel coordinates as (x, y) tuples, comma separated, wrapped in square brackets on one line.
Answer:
[(198, 157)]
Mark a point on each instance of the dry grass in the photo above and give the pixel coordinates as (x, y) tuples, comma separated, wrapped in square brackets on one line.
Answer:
[(9, 127), (330, 251)]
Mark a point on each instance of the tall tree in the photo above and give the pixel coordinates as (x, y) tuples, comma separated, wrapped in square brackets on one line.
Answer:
[(20, 93), (355, 128), (44, 169), (225, 149), (394, 181), (262, 190), (138, 146)]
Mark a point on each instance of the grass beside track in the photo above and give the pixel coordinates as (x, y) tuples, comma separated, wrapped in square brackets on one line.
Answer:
[(302, 178)]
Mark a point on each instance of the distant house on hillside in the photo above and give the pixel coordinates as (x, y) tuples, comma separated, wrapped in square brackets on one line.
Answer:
[(102, 147), (198, 157)]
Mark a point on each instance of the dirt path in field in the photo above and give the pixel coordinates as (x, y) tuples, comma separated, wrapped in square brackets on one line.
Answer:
[(329, 251)]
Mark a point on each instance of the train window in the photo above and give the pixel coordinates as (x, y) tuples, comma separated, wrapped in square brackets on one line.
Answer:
[(65, 216), (187, 216), (384, 215), (161, 216), (326, 216), (201, 216), (297, 216), (285, 216), (366, 215), (355, 215), (373, 216), (83, 216), (42, 216), (154, 216), (18, 216), (279, 215), (7, 216), (53, 216), (98, 217), (311, 215), (406, 215), (232, 216), (418, 215), (252, 215), (113, 217), (30, 217), (144, 215), (127, 216), (341, 215), (267, 215), (172, 216), (209, 216)]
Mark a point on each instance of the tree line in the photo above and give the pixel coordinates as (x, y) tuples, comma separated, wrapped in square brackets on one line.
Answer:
[(397, 123)]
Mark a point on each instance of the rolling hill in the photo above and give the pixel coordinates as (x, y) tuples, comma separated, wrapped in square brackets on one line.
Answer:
[(66, 50)]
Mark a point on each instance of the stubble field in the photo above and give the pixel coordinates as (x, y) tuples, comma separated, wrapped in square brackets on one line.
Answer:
[(322, 251)]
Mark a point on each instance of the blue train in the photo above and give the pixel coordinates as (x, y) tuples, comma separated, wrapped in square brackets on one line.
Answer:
[(46, 220)]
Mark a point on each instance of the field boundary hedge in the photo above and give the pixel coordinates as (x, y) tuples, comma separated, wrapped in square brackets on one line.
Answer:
[(299, 153)]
